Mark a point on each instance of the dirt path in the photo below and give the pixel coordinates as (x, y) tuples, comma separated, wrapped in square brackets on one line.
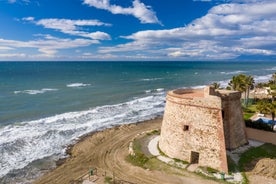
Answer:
[(107, 151)]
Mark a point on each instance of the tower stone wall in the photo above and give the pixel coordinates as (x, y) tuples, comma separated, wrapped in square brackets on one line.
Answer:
[(234, 126), (194, 130)]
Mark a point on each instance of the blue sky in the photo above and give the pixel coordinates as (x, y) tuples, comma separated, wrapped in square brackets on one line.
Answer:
[(107, 30)]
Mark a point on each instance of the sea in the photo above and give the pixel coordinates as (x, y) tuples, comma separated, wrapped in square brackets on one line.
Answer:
[(47, 106)]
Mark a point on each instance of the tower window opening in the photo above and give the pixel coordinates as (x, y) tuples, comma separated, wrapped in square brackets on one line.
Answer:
[(186, 128)]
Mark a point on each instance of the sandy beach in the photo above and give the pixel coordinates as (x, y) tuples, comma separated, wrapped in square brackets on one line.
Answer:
[(106, 150)]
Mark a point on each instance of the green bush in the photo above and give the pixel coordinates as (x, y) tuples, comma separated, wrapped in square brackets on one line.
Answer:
[(257, 125)]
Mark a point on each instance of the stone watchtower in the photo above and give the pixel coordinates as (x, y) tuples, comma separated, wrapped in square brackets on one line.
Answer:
[(199, 125)]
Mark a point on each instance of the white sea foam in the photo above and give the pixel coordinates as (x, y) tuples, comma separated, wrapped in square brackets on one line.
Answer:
[(151, 79), (77, 85), (159, 89), (35, 92), (25, 142), (233, 72), (155, 90), (263, 78), (198, 87), (224, 83), (272, 69)]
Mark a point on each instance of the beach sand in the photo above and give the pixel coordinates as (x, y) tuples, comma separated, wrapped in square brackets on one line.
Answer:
[(106, 150)]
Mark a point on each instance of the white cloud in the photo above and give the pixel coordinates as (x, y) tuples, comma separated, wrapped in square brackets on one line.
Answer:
[(139, 10), (17, 55), (4, 48), (231, 1), (19, 1), (99, 36), (227, 31), (48, 45), (12, 1), (28, 18), (72, 27)]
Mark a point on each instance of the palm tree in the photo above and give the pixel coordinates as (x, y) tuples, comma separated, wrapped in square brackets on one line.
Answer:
[(249, 83), (237, 83), (242, 83), (274, 78), (216, 85)]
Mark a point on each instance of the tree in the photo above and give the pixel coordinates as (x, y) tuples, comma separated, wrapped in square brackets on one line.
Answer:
[(274, 78), (266, 107), (238, 83), (249, 85), (243, 84)]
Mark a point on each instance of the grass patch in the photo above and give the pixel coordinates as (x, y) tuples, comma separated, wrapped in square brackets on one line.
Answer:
[(208, 169), (265, 151), (232, 167), (154, 132), (180, 161), (211, 178), (211, 170), (247, 116), (250, 109), (107, 179), (139, 158), (155, 164), (245, 179), (161, 152)]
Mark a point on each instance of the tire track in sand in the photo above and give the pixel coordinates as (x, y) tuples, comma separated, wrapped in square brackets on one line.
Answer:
[(106, 150)]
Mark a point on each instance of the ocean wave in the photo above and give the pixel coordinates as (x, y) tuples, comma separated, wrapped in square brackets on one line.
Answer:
[(263, 78), (233, 72), (148, 91), (77, 85), (159, 89), (272, 69), (35, 92), (155, 91), (25, 142), (151, 79), (198, 87), (224, 83)]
